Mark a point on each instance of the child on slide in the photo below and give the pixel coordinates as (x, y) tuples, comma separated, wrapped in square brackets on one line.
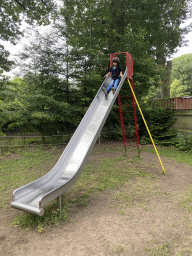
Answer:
[(116, 76)]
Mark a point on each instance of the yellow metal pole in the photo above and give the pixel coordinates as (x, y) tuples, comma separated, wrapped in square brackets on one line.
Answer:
[(147, 127)]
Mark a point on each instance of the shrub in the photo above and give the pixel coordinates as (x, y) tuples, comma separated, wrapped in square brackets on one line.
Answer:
[(184, 143), (159, 122)]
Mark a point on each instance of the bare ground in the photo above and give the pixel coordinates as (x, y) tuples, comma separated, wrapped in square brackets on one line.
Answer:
[(143, 217)]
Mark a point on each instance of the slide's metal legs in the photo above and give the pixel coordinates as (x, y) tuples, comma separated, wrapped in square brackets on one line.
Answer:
[(59, 204)]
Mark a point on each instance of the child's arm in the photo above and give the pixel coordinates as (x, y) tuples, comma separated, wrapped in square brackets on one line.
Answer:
[(121, 74), (107, 74)]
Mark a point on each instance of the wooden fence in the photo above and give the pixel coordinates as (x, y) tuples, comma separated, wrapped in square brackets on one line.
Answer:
[(181, 103), (183, 112)]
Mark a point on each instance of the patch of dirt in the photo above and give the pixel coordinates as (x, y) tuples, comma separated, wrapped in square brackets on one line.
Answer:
[(10, 157), (109, 225)]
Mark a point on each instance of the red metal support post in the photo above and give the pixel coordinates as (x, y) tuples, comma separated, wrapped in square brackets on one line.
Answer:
[(122, 123), (129, 65), (135, 116)]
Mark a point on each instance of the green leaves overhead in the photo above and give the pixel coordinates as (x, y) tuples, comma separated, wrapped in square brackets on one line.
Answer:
[(182, 71), (5, 64), (65, 67), (45, 54), (13, 12), (178, 89)]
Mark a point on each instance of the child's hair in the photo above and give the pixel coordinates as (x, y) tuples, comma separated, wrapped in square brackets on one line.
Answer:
[(116, 59)]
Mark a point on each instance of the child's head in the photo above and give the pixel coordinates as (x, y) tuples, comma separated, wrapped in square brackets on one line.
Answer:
[(116, 60)]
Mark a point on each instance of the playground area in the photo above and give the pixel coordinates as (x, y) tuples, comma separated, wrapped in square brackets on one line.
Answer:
[(68, 185), (150, 214)]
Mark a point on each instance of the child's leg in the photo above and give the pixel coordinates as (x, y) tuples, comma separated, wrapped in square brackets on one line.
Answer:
[(110, 85), (116, 83)]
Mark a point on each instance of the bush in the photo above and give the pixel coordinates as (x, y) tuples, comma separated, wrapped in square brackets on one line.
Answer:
[(184, 143), (159, 122)]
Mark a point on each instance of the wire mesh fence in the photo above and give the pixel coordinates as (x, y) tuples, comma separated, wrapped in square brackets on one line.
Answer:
[(15, 142)]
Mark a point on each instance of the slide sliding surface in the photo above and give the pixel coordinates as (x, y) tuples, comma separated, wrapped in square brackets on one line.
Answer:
[(34, 196)]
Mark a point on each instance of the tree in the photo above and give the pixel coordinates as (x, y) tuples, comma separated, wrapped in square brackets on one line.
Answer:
[(182, 71), (45, 108), (12, 108), (47, 95), (147, 29), (38, 103), (161, 20), (106, 37), (178, 89), (188, 28), (12, 13), (5, 64), (45, 54)]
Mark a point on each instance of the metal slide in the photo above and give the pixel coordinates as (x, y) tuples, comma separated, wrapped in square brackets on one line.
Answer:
[(34, 196)]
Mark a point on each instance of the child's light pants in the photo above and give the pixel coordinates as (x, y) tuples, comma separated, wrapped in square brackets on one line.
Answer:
[(114, 82)]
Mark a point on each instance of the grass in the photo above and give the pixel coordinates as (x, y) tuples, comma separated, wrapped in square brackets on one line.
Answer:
[(159, 250), (140, 193), (101, 175), (172, 153), (185, 200), (22, 169), (111, 174), (118, 249), (29, 165), (15, 143)]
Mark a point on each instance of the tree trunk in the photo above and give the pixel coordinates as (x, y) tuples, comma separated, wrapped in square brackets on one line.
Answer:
[(165, 71), (165, 89)]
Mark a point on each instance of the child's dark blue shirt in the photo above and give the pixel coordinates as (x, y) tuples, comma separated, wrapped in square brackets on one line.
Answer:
[(115, 72)]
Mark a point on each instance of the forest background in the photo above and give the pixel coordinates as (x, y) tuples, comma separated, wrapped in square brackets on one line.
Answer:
[(63, 68)]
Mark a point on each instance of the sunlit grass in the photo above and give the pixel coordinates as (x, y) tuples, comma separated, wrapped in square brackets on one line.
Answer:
[(26, 167), (30, 165), (100, 175), (172, 153)]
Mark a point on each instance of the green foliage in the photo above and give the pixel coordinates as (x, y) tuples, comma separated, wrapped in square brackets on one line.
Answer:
[(161, 20), (5, 64), (159, 122), (12, 15), (45, 102), (64, 69), (184, 143), (12, 109), (177, 89), (140, 31), (44, 55), (182, 72)]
